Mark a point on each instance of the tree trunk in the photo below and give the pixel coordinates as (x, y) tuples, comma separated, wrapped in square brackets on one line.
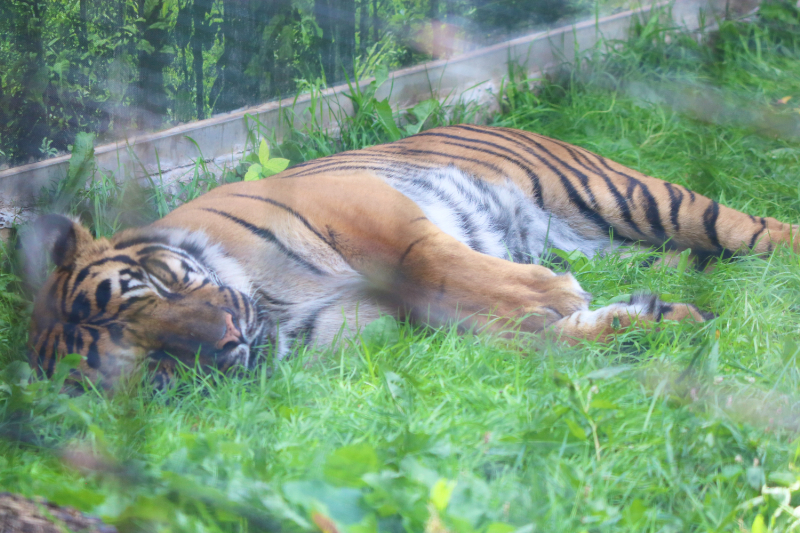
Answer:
[(32, 124), (363, 27), (233, 88), (83, 31), (151, 94), (375, 21), (323, 13), (201, 38), (346, 36), (121, 110)]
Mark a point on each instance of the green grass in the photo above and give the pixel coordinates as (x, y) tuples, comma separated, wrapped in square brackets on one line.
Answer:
[(414, 429)]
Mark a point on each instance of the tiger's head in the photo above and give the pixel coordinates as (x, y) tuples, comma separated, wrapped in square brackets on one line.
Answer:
[(146, 296)]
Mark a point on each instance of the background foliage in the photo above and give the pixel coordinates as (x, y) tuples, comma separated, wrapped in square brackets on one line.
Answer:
[(113, 67)]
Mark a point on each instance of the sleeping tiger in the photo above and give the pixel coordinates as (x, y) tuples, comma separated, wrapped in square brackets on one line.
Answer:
[(445, 225)]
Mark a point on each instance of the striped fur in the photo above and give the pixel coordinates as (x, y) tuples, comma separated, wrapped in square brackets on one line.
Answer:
[(448, 224)]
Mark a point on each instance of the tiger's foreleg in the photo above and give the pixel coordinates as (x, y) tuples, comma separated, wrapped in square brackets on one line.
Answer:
[(409, 259), (642, 310)]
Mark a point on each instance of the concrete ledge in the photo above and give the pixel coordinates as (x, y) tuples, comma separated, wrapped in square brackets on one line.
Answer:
[(221, 139)]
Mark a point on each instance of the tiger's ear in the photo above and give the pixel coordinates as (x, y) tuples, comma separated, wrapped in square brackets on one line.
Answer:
[(61, 237)]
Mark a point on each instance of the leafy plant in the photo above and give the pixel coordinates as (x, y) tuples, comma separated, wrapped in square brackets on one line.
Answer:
[(262, 165)]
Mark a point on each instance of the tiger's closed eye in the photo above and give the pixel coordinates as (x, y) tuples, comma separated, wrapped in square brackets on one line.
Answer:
[(161, 271)]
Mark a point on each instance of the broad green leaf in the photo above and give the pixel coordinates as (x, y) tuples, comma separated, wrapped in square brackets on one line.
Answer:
[(784, 479), (275, 166), (263, 152), (381, 332), (81, 166), (683, 261), (386, 119), (576, 259), (500, 527), (381, 75), (755, 477), (149, 5), (602, 404), (144, 45), (790, 349), (634, 513), (607, 372), (758, 524), (421, 112), (620, 298), (345, 466), (575, 429), (441, 492), (253, 173), (341, 504)]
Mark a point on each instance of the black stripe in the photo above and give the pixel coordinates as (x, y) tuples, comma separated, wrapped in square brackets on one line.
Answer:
[(574, 197), (465, 222), (86, 270), (306, 329), (163, 266), (64, 294), (175, 250), (649, 261), (401, 150), (131, 301), (140, 240), (53, 348), (408, 249), (361, 161), (102, 294), (42, 353), (70, 331), (92, 354), (295, 214), (758, 233), (705, 258), (78, 341), (619, 199), (80, 309), (526, 140), (710, 217), (521, 163), (675, 201), (272, 300), (268, 236), (651, 209)]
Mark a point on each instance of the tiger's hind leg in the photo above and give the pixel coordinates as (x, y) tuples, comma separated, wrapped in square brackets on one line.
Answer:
[(599, 194)]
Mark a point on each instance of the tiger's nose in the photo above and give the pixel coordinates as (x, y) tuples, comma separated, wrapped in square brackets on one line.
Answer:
[(232, 333)]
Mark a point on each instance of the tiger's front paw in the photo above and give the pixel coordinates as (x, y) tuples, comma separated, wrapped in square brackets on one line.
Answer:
[(780, 234), (549, 300), (652, 309), (642, 310)]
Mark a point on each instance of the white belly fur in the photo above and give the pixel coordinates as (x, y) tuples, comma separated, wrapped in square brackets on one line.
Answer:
[(497, 220)]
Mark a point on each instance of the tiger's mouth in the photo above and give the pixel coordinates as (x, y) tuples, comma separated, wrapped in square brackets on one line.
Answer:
[(244, 354), (242, 344), (244, 348)]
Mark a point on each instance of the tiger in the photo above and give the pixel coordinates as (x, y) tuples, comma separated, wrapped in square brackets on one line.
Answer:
[(446, 226)]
